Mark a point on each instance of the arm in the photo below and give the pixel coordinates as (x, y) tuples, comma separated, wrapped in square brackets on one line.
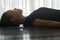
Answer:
[(39, 22)]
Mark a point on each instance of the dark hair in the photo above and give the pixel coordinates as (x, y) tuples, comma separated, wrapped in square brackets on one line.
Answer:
[(5, 21)]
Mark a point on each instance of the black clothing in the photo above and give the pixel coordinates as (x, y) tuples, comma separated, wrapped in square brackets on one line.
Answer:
[(42, 13)]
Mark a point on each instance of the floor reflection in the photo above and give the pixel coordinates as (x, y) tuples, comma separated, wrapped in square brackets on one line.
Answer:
[(11, 34), (29, 34)]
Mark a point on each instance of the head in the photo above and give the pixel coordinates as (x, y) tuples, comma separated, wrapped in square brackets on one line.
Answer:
[(12, 17)]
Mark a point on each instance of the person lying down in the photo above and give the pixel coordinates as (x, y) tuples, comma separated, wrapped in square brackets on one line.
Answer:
[(43, 16)]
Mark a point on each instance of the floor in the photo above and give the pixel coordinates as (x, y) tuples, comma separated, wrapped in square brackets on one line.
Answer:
[(29, 34)]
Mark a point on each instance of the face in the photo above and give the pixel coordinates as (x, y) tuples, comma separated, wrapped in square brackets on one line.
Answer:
[(15, 15)]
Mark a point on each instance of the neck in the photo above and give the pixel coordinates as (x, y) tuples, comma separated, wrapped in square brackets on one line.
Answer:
[(22, 20)]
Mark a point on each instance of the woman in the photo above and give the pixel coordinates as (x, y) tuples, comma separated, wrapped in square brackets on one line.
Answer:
[(41, 17)]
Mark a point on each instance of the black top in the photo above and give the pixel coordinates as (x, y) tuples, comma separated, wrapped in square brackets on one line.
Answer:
[(42, 13)]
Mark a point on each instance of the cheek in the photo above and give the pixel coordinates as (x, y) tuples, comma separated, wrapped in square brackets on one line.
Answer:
[(13, 19)]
